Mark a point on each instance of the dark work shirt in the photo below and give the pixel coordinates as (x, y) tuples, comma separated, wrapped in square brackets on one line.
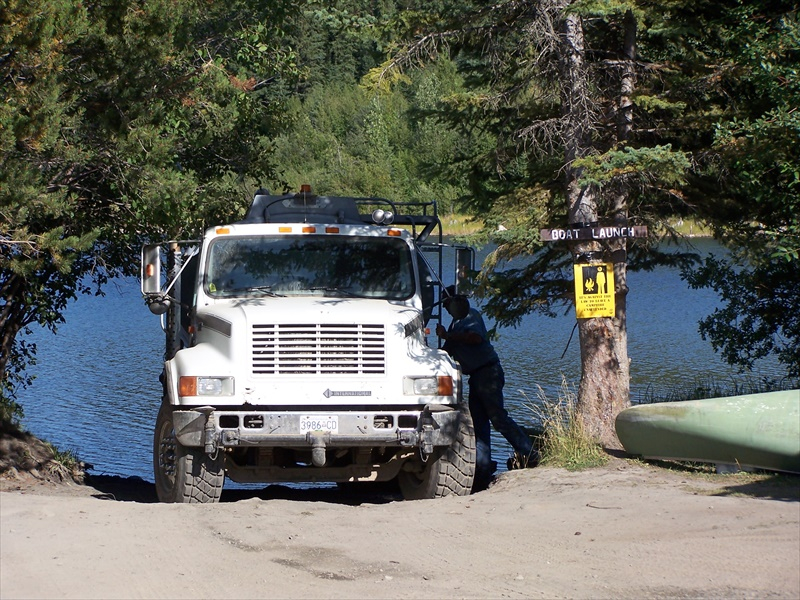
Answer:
[(471, 356)]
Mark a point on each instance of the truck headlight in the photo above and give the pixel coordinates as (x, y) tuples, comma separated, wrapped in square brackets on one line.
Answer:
[(428, 386), (205, 386)]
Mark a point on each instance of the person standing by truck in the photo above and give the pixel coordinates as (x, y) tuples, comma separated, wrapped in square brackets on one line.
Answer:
[(467, 341)]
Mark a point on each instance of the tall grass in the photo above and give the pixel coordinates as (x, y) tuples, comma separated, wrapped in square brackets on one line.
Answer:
[(564, 441), (66, 458), (702, 388), (65, 465)]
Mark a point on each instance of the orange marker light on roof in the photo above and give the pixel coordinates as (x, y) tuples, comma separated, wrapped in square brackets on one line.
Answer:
[(284, 230), (309, 229), (331, 230), (305, 188), (222, 230), (394, 232)]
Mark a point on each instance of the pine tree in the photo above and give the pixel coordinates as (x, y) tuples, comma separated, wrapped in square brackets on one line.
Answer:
[(555, 88), (119, 122)]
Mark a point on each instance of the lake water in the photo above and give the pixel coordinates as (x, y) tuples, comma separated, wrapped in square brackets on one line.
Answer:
[(97, 391)]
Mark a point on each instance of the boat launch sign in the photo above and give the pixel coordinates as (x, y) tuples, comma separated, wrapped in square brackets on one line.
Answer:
[(594, 290), (594, 281), (593, 233)]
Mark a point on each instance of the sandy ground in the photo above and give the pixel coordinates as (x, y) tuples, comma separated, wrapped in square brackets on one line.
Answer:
[(627, 530)]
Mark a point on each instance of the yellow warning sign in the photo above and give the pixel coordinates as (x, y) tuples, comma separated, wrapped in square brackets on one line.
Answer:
[(594, 290)]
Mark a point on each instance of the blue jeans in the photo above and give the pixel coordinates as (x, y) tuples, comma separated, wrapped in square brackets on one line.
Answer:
[(486, 405)]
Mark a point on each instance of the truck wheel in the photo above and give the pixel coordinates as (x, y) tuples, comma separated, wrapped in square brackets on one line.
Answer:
[(183, 474), (448, 472)]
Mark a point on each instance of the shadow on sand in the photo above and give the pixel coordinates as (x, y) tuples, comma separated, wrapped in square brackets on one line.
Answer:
[(136, 489), (758, 483)]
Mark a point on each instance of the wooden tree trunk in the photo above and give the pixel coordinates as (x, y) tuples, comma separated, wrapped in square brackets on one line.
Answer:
[(12, 315), (621, 397), (604, 388)]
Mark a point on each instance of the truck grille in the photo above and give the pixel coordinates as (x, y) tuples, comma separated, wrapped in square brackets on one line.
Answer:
[(318, 349)]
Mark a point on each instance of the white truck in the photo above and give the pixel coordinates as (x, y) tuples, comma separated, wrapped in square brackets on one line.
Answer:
[(297, 351)]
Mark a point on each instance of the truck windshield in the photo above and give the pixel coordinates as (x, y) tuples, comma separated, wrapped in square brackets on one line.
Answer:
[(360, 267)]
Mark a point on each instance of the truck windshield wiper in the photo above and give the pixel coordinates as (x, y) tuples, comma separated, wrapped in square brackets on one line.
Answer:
[(261, 289)]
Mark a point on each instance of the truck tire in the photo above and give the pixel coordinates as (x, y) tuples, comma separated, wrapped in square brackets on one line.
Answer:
[(448, 471), (183, 474)]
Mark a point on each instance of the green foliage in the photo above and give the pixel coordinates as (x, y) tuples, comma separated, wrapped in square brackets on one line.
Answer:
[(714, 137), (764, 180), (383, 79), (11, 412), (336, 42), (755, 209), (341, 143), (759, 316), (348, 139), (654, 104), (129, 121), (512, 111), (119, 122), (659, 163)]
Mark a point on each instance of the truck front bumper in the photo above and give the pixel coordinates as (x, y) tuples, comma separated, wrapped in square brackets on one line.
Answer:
[(211, 428)]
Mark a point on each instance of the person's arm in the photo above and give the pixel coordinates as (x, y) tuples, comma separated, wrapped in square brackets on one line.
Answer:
[(469, 338)]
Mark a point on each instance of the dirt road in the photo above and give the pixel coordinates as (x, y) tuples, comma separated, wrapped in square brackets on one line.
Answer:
[(627, 530)]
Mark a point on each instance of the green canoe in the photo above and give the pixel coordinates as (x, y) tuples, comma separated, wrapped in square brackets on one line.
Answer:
[(753, 430)]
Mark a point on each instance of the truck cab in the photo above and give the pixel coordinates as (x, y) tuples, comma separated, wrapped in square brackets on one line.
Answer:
[(297, 351)]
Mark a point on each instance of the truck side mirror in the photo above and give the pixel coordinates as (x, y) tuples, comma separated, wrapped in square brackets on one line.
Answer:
[(151, 269), (465, 266)]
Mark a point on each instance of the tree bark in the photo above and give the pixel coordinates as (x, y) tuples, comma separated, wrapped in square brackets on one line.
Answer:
[(15, 314), (604, 388), (618, 247)]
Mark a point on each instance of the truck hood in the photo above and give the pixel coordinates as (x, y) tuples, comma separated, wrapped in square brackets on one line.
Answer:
[(344, 311)]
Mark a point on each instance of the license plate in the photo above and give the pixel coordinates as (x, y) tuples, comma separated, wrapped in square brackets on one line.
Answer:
[(328, 423)]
